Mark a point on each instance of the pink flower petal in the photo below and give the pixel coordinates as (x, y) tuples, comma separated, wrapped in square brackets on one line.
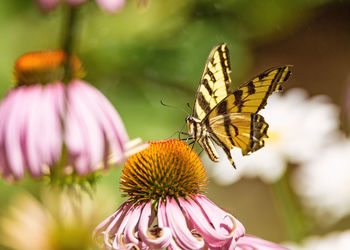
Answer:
[(218, 216), (203, 223), (111, 5), (114, 217), (119, 240), (163, 223), (5, 111), (33, 131), (84, 138), (12, 132), (116, 227), (152, 241), (115, 130), (249, 242), (107, 118), (178, 225), (54, 94), (130, 229)]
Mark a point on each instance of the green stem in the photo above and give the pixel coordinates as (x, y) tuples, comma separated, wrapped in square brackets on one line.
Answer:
[(69, 33), (297, 224)]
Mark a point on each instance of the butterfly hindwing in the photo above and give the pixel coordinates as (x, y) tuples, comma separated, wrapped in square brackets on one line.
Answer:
[(243, 130), (214, 83), (252, 96)]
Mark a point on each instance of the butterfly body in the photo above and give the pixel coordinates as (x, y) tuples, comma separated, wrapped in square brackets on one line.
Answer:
[(201, 135), (229, 119)]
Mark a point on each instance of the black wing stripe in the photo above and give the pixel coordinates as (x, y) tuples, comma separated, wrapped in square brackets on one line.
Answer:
[(272, 87), (203, 103), (251, 88), (206, 85), (227, 124), (238, 99), (223, 66), (222, 108), (211, 75)]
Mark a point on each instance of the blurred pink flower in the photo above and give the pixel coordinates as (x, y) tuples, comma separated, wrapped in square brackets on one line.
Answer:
[(107, 5), (249, 242), (38, 121)]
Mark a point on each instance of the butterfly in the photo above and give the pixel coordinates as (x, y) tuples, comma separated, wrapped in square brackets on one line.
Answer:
[(230, 118)]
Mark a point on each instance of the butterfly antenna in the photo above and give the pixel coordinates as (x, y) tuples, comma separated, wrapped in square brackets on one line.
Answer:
[(170, 106)]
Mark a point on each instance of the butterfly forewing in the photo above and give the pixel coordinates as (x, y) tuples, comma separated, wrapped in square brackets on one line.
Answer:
[(252, 96), (214, 83)]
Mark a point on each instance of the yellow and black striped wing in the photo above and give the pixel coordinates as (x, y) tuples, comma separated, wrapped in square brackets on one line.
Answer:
[(244, 130), (214, 83), (252, 95)]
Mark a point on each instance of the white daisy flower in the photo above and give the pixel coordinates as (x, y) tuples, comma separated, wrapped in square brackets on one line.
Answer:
[(298, 128), (323, 184), (335, 241)]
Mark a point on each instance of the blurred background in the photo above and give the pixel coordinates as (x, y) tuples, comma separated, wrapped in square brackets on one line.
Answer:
[(157, 50)]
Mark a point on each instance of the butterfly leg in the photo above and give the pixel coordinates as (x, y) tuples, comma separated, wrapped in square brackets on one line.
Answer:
[(192, 144), (200, 152), (182, 133)]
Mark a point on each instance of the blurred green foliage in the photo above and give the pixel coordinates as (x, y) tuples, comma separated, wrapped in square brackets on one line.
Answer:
[(144, 54)]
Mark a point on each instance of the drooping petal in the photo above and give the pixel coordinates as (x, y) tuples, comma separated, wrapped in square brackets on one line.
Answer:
[(249, 242), (107, 118), (115, 132), (12, 132), (5, 110), (104, 224), (177, 222), (54, 96), (32, 135), (131, 226), (114, 231), (87, 145), (219, 216), (157, 242), (203, 222)]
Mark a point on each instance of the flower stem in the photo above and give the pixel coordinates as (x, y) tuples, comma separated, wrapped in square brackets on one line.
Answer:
[(69, 33), (297, 224)]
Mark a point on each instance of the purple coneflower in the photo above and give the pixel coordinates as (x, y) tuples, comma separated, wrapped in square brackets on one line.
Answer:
[(165, 208), (50, 127), (107, 5)]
